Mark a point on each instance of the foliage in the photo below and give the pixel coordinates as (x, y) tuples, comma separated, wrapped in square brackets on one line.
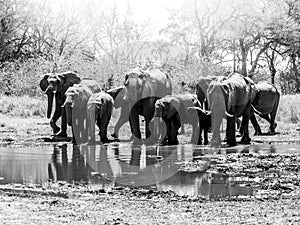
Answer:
[(259, 39)]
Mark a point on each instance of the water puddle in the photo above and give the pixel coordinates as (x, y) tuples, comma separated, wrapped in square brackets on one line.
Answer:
[(120, 164)]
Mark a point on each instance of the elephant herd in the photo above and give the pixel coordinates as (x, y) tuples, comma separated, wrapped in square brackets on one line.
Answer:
[(82, 104)]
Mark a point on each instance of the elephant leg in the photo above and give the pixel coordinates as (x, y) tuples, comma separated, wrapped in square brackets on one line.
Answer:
[(201, 129), (124, 117), (216, 125), (85, 128), (273, 124), (91, 130), (230, 131), (245, 123), (195, 134), (255, 125), (173, 125), (103, 124), (172, 135), (63, 131), (182, 130), (135, 126), (57, 114), (205, 135)]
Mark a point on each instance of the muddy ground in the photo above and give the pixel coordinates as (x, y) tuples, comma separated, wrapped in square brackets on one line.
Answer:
[(276, 178)]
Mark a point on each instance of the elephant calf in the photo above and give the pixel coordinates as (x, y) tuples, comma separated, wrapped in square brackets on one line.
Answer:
[(99, 110), (174, 110)]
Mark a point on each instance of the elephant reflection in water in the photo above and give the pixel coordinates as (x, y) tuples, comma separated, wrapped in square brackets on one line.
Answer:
[(63, 170)]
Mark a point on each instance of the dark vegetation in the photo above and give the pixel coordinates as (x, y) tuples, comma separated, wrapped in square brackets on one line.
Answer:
[(259, 39)]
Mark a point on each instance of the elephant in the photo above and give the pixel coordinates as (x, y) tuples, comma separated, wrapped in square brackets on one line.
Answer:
[(76, 107), (174, 110), (142, 89), (265, 104), (230, 97), (204, 118), (118, 94), (99, 110), (56, 85)]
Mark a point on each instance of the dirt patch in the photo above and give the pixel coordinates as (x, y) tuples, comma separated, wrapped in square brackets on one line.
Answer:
[(66, 204)]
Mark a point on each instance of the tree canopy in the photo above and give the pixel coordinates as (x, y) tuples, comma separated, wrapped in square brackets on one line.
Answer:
[(258, 38)]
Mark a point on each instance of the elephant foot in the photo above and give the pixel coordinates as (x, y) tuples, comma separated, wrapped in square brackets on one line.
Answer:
[(257, 133), (114, 135), (271, 132), (176, 142), (231, 144), (55, 130), (74, 142), (106, 140), (245, 141), (61, 134)]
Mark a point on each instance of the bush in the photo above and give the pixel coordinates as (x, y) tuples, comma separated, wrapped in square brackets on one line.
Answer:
[(289, 109), (24, 106)]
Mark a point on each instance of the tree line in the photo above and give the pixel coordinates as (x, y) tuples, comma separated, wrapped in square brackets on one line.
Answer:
[(257, 38)]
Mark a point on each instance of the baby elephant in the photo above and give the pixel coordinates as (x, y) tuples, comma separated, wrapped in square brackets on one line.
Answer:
[(174, 110), (99, 110)]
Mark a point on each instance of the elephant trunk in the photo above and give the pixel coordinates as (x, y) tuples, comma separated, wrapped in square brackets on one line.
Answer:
[(50, 103), (68, 109), (157, 122)]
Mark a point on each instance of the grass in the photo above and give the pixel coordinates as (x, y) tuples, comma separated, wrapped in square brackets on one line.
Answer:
[(24, 106)]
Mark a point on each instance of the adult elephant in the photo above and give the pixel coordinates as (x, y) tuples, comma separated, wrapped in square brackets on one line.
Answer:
[(143, 88), (76, 107), (55, 86), (99, 110), (174, 110), (230, 97), (204, 119), (265, 105)]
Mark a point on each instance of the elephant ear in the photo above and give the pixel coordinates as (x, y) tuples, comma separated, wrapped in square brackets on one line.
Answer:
[(68, 79), (44, 82), (173, 106), (149, 88)]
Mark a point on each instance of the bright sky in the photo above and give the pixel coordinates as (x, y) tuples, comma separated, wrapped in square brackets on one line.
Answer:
[(155, 10)]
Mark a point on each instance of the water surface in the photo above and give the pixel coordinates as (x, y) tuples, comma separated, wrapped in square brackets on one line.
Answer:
[(120, 164)]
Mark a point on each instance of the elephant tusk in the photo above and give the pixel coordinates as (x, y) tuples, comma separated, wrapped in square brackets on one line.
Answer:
[(256, 111), (47, 89), (229, 115), (199, 109)]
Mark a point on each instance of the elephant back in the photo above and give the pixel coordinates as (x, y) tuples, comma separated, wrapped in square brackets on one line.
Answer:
[(91, 84), (164, 84), (240, 88)]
